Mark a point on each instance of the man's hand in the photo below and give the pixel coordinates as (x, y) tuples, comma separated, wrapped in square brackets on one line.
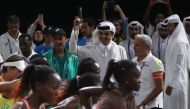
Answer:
[(77, 23), (140, 107), (169, 90)]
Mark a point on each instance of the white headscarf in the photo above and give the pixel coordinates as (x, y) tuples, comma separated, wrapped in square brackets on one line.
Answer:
[(100, 27), (186, 20), (178, 34), (135, 24)]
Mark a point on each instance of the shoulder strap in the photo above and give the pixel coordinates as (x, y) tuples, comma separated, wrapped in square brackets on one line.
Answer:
[(26, 103)]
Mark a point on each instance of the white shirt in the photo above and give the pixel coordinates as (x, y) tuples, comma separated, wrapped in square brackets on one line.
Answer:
[(113, 51), (1, 59), (149, 65), (159, 47), (128, 45), (8, 45), (28, 58), (100, 53), (150, 30)]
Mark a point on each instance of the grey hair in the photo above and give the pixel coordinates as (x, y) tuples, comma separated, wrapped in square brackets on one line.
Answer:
[(145, 38)]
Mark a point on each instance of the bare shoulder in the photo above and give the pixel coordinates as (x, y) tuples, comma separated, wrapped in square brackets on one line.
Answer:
[(110, 100)]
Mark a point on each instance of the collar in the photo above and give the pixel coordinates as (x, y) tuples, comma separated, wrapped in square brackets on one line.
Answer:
[(147, 58), (10, 37), (108, 46), (28, 58)]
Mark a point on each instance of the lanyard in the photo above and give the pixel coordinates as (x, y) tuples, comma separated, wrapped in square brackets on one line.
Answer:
[(142, 66), (10, 48), (159, 48), (129, 54)]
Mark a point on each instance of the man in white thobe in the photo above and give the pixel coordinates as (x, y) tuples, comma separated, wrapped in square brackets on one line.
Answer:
[(102, 49), (176, 74), (186, 23), (133, 29), (160, 41)]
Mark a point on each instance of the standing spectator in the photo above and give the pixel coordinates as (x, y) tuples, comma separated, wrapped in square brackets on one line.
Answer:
[(156, 12), (12, 69), (103, 50), (160, 41), (25, 45), (120, 24), (86, 29), (176, 77), (133, 29), (9, 40), (150, 95), (47, 45), (36, 30), (63, 62)]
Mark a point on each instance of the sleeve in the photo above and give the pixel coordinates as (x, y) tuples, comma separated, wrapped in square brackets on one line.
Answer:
[(123, 53), (73, 41), (179, 65), (124, 24), (157, 69), (31, 29)]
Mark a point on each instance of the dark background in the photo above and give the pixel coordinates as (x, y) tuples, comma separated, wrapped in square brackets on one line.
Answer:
[(61, 13)]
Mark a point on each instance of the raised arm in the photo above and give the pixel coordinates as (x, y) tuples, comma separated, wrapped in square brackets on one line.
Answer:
[(147, 12), (39, 20), (74, 35)]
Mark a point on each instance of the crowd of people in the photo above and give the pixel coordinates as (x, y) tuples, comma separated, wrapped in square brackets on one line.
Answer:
[(110, 64)]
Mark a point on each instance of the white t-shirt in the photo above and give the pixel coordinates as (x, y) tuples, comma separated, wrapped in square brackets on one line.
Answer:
[(149, 65)]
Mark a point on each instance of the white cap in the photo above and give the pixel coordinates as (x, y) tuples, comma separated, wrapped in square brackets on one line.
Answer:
[(18, 64), (106, 26)]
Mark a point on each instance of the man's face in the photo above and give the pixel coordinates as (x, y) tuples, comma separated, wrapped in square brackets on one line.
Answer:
[(159, 18), (25, 46), (86, 30), (38, 35), (13, 28), (117, 27), (134, 31), (139, 47), (171, 27), (58, 41), (105, 37), (163, 32)]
